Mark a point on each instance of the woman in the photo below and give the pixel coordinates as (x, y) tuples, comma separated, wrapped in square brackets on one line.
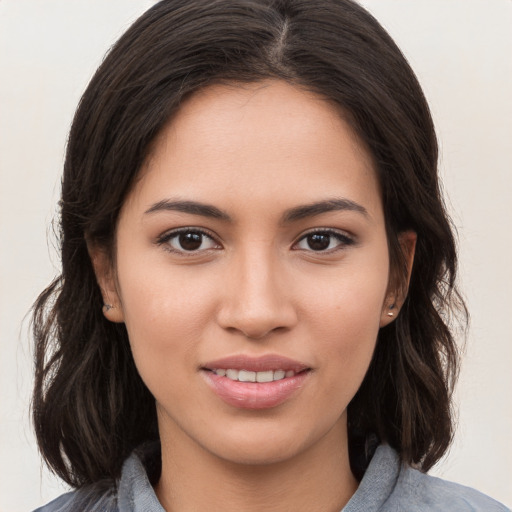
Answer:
[(257, 272)]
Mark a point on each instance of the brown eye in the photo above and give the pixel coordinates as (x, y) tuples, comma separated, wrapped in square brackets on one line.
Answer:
[(318, 241), (324, 241), (188, 240)]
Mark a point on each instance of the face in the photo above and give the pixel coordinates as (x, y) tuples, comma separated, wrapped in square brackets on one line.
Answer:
[(252, 272)]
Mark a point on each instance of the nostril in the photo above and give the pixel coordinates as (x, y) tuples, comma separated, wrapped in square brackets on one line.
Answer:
[(256, 313)]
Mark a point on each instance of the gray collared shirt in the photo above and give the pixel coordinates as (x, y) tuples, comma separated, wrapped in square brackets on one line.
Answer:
[(387, 486)]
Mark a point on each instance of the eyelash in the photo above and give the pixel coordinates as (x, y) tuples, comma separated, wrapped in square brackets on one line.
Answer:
[(164, 240), (343, 239)]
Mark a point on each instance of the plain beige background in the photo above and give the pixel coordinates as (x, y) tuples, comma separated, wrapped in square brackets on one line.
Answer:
[(461, 51)]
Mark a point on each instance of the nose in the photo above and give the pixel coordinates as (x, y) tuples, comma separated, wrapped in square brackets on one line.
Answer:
[(257, 298)]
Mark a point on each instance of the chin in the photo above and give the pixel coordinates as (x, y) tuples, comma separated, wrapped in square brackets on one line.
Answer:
[(255, 443), (258, 452)]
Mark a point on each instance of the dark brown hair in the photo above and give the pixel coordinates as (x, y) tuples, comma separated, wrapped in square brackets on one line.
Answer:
[(90, 407)]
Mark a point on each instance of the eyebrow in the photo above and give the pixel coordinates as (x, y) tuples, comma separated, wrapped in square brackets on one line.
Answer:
[(192, 207), (289, 216), (317, 208)]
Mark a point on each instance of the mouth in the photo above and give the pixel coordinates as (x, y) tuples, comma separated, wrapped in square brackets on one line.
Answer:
[(257, 365), (255, 383), (250, 376)]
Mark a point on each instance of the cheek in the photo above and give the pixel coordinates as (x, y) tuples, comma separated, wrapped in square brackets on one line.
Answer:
[(348, 343), (348, 339), (345, 316), (166, 314), (349, 301)]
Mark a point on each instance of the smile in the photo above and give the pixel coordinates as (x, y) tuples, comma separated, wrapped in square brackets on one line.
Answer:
[(255, 382), (250, 376)]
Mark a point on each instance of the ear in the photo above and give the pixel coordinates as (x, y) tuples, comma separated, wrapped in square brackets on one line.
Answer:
[(397, 294), (105, 276)]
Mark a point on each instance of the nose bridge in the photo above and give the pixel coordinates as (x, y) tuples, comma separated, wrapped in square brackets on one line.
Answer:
[(256, 301)]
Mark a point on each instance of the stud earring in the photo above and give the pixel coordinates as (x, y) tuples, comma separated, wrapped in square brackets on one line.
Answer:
[(390, 313), (108, 307)]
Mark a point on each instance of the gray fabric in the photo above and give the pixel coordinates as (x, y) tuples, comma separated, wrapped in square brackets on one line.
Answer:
[(387, 486), (135, 492)]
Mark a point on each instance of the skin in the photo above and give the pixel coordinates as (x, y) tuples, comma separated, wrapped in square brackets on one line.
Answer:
[(253, 287)]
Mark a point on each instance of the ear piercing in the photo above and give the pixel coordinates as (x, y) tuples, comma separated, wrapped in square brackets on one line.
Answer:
[(391, 313), (108, 307)]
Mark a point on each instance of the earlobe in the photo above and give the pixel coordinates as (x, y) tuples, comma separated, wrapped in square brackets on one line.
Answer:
[(396, 298), (389, 313), (112, 312), (105, 277)]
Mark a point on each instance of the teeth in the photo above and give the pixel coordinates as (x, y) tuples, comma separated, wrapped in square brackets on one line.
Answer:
[(248, 376), (279, 374), (232, 374), (265, 376)]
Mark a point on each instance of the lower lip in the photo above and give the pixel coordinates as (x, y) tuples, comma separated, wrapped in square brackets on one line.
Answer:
[(255, 395)]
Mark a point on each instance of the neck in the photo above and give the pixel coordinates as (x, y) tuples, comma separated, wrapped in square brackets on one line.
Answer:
[(317, 479)]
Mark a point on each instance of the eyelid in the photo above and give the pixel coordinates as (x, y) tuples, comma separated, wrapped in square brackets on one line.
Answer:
[(342, 236), (165, 237)]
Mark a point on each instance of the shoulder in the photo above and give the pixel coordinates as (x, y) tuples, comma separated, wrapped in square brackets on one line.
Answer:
[(95, 498), (433, 494), (389, 485), (133, 491), (57, 505)]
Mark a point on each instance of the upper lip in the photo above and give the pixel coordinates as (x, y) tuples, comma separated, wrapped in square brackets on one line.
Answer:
[(256, 364)]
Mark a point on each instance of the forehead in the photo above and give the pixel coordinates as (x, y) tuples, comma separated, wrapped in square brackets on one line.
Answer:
[(268, 140)]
